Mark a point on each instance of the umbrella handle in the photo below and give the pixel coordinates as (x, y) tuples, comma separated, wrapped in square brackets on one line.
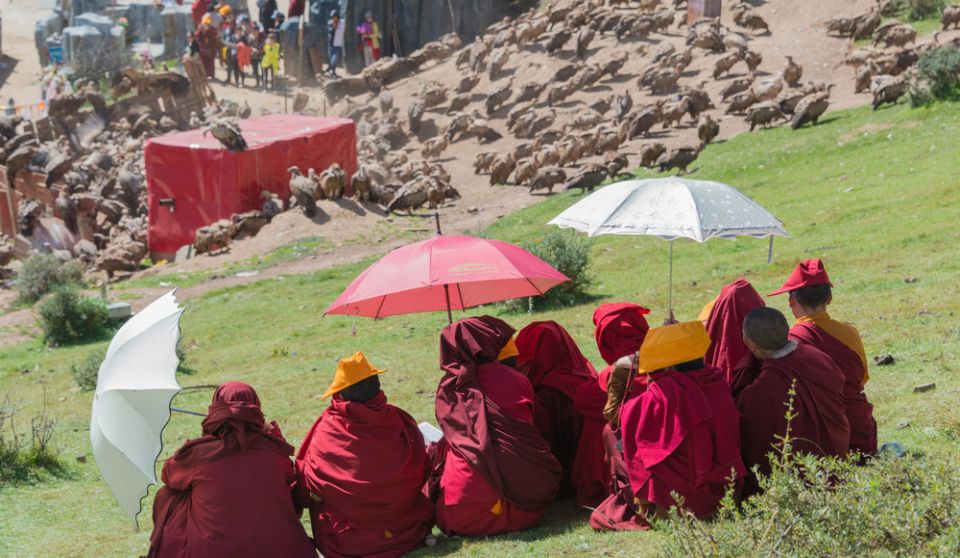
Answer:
[(186, 412)]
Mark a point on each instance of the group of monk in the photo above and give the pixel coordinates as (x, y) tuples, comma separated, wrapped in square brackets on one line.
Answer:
[(680, 414)]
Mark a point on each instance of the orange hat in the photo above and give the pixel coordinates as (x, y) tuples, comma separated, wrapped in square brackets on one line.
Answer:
[(225, 11), (708, 309), (351, 371), (810, 272), (509, 350), (673, 344), (206, 19)]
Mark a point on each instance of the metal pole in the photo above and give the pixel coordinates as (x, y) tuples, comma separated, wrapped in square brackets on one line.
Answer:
[(670, 288), (446, 292), (437, 217), (770, 250)]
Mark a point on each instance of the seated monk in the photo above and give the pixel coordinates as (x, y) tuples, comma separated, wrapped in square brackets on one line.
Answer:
[(550, 358), (680, 436), (227, 493), (724, 323), (362, 469), (493, 471), (599, 471), (761, 388), (810, 293)]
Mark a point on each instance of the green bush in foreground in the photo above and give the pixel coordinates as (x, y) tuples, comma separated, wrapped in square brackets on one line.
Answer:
[(569, 254), (67, 317), (43, 273), (939, 73), (825, 507)]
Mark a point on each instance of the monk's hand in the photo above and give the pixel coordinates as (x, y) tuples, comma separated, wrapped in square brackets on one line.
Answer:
[(314, 497)]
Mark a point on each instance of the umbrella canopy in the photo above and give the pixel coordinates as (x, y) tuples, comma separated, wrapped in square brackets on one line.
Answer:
[(671, 208), (444, 273), (136, 382)]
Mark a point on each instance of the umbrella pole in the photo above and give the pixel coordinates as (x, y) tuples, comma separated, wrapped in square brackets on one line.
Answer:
[(437, 217), (670, 288), (446, 293), (770, 250), (184, 411)]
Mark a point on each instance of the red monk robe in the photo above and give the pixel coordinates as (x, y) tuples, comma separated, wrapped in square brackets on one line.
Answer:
[(227, 493), (367, 463), (556, 368), (682, 435), (620, 329), (842, 343), (761, 390), (725, 325), (494, 470)]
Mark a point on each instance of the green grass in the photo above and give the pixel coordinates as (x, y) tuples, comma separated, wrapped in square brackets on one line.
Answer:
[(876, 194)]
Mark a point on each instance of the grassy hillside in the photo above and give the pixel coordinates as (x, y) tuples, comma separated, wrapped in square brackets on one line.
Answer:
[(876, 194)]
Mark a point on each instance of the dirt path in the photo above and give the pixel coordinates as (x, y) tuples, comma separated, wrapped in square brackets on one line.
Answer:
[(355, 232)]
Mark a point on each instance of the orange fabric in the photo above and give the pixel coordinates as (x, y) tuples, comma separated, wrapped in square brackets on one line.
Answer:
[(843, 332), (708, 309)]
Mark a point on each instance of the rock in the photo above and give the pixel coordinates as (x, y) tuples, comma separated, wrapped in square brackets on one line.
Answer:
[(884, 360), (903, 424), (922, 388), (81, 459), (910, 280)]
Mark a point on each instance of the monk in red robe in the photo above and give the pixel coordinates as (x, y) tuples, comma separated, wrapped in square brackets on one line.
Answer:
[(361, 470), (725, 325), (599, 470), (493, 471), (682, 434), (550, 358), (227, 494), (810, 293), (761, 388)]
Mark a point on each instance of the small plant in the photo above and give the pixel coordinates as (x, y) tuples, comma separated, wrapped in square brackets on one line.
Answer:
[(939, 72), (86, 372), (22, 461), (568, 254), (67, 317), (914, 10), (42, 273)]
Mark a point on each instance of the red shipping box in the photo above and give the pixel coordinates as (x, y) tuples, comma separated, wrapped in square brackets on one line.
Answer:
[(193, 181)]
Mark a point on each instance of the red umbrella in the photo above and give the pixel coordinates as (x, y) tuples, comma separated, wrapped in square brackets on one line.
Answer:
[(446, 272)]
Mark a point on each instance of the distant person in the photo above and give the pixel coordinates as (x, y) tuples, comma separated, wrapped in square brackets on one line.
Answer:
[(228, 493), (337, 30), (369, 31), (724, 322), (278, 19), (600, 473), (681, 437), (493, 472), (231, 43), (265, 10), (810, 294), (361, 470), (761, 388), (11, 107), (208, 45), (255, 38), (198, 9), (270, 64), (556, 368), (295, 9)]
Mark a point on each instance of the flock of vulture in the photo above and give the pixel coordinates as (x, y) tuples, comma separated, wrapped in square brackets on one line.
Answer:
[(528, 130)]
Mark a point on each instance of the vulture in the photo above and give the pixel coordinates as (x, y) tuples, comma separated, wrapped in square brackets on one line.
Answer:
[(810, 108), (227, 133), (587, 179), (679, 158), (303, 190), (707, 129)]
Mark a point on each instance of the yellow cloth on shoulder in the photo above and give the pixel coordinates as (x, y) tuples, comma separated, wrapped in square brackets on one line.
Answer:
[(843, 332)]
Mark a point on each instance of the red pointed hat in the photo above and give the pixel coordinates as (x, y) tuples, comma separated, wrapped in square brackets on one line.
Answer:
[(810, 272)]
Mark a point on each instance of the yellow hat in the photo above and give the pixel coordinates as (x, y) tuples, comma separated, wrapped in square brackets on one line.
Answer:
[(509, 350), (351, 371), (225, 11), (206, 20), (673, 344), (707, 310)]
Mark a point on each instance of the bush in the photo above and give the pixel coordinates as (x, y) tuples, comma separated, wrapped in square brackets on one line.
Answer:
[(66, 317), (42, 273), (87, 371), (22, 461), (570, 255), (939, 71)]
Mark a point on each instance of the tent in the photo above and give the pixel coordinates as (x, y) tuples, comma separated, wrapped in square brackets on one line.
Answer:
[(192, 181)]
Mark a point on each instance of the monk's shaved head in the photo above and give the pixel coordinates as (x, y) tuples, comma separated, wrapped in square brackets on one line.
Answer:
[(362, 391), (766, 327)]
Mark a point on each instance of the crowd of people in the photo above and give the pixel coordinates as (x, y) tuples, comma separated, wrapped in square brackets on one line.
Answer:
[(684, 410), (244, 47)]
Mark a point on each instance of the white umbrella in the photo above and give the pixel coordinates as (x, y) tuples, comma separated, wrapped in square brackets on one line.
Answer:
[(671, 208), (135, 386)]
